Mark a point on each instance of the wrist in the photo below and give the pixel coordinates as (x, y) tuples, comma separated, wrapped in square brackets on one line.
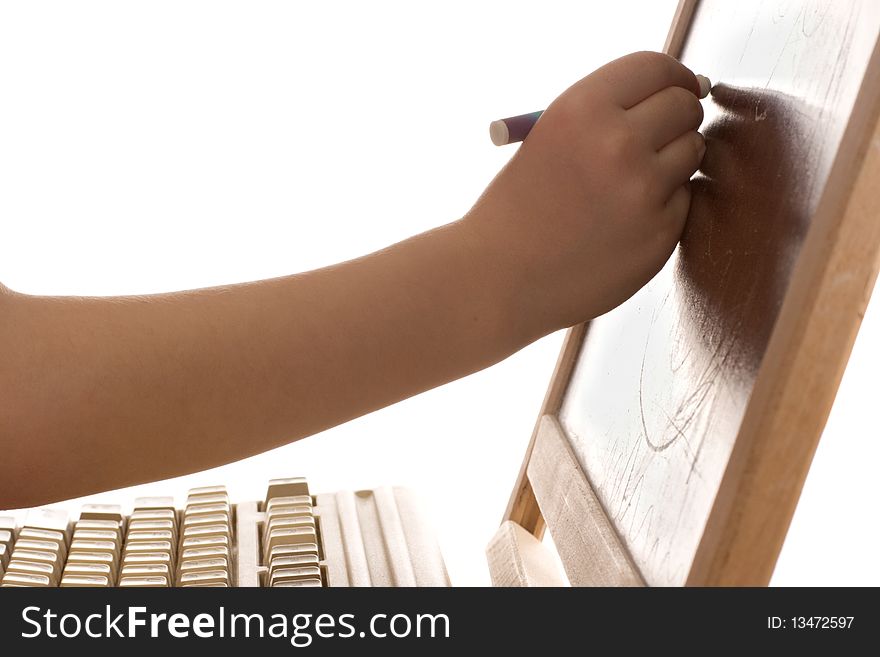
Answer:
[(505, 281)]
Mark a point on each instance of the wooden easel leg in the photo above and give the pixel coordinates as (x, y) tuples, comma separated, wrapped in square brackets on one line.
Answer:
[(517, 558)]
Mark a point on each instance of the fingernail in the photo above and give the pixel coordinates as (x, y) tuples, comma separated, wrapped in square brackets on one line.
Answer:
[(705, 85)]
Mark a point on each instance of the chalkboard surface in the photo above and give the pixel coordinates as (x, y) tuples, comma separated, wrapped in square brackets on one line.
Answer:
[(661, 384)]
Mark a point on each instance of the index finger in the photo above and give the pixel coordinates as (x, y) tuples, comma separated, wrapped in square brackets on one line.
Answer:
[(633, 78)]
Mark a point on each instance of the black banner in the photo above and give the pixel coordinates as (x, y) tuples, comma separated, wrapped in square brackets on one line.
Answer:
[(434, 621)]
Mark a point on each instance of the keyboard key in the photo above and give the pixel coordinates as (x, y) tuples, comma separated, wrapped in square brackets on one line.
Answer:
[(49, 535), (292, 561), (216, 540), (51, 519), (159, 541), (149, 537), (207, 519), (110, 548), (217, 498), (150, 570), (204, 565), (33, 568), (78, 581), (38, 556), (205, 553), (96, 535), (278, 512), (157, 581), (154, 514), (290, 536), (100, 525), (296, 500), (299, 583), (147, 559), (88, 569), (207, 490), (293, 574), (296, 521), (153, 520), (209, 578), (83, 557), (102, 512), (207, 509), (187, 586), (147, 546), (285, 513), (86, 545), (206, 530), (37, 544), (6, 539), (286, 488), (292, 550), (20, 579), (152, 526), (154, 503)]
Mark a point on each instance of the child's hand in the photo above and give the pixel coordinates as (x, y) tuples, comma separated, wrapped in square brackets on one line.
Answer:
[(593, 203)]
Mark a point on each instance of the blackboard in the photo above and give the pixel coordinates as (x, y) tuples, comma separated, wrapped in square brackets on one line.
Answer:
[(694, 408)]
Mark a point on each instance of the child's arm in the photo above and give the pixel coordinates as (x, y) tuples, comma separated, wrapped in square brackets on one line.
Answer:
[(99, 393)]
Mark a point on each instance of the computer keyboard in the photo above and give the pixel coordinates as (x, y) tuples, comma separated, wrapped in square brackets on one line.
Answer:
[(289, 539)]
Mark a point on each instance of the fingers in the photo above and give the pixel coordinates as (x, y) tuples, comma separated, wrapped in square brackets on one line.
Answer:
[(678, 161), (666, 115), (631, 79)]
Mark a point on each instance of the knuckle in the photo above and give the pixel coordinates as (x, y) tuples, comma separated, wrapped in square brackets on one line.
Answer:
[(619, 145), (615, 146), (644, 190), (658, 65), (568, 113), (684, 102), (656, 60)]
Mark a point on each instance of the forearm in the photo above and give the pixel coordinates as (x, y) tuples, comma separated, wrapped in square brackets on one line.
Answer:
[(107, 392)]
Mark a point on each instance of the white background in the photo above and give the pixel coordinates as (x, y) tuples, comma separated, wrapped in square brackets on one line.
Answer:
[(159, 146)]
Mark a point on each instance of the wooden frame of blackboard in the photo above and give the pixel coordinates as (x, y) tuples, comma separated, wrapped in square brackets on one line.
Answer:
[(817, 324)]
